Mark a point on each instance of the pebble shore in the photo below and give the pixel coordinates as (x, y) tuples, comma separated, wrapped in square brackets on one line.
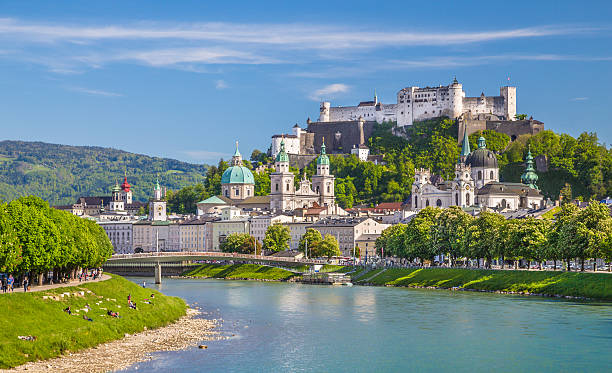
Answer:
[(120, 354)]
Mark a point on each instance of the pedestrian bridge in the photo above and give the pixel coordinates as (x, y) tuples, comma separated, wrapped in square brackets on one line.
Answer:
[(175, 262)]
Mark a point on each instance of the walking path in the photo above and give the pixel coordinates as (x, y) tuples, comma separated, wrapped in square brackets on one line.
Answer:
[(19, 289)]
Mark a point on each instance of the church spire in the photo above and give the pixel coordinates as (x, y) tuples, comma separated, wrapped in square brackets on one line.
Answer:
[(237, 157), (529, 177)]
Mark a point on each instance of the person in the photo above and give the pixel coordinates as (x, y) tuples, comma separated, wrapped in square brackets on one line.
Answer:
[(112, 313), (25, 284), (144, 284), (132, 305), (68, 310), (129, 299), (11, 281), (85, 317), (3, 284)]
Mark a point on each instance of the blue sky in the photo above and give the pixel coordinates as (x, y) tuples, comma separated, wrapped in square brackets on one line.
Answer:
[(186, 79)]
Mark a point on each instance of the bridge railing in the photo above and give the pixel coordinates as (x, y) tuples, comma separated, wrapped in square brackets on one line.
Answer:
[(215, 254)]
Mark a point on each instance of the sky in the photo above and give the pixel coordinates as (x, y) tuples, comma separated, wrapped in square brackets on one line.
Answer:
[(186, 79)]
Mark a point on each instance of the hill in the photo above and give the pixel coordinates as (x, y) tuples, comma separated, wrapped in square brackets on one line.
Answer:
[(62, 173)]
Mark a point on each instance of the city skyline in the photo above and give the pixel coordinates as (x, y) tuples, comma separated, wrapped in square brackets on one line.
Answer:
[(186, 82)]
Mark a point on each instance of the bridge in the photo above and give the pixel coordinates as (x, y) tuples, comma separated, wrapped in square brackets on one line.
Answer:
[(177, 260)]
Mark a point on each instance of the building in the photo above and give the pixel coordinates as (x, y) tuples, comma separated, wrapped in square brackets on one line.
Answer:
[(318, 193), (223, 228), (476, 183), (350, 231), (417, 104), (193, 234), (120, 234), (237, 182), (296, 230), (259, 224)]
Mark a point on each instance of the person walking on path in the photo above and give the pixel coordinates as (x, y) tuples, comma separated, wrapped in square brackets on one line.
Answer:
[(25, 284), (11, 282)]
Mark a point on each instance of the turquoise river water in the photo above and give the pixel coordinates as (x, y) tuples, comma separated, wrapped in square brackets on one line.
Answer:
[(287, 327)]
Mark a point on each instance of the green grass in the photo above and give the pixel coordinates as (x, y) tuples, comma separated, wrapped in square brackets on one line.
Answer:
[(241, 271), (576, 284), (57, 332), (334, 268)]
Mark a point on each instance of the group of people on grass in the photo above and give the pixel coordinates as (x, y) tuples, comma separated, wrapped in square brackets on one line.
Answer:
[(131, 304), (7, 283)]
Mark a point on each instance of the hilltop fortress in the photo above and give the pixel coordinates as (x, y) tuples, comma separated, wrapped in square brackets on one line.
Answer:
[(416, 104), (346, 129)]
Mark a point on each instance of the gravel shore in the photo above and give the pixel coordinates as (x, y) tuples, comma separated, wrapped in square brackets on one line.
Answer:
[(120, 354)]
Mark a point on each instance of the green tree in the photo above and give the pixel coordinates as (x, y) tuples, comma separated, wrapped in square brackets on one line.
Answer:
[(277, 238), (10, 248), (242, 243), (451, 233), (520, 116), (485, 238), (391, 241), (329, 247), (309, 242), (418, 239)]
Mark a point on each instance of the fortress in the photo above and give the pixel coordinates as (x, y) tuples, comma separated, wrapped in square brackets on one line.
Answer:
[(416, 104)]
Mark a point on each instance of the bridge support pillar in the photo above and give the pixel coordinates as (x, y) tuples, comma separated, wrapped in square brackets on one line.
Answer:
[(158, 273)]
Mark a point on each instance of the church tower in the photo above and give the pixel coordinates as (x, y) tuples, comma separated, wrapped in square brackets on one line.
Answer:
[(116, 203), (157, 206), (463, 186), (282, 187), (126, 194), (323, 181)]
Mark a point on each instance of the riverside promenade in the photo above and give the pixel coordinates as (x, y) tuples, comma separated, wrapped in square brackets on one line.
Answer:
[(19, 289)]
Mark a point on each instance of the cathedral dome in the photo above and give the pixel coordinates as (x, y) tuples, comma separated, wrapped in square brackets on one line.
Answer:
[(482, 157), (237, 175)]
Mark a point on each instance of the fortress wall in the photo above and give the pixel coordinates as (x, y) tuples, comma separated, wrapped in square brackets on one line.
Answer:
[(349, 135)]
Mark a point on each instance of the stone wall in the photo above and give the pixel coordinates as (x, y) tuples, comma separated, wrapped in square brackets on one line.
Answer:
[(340, 137)]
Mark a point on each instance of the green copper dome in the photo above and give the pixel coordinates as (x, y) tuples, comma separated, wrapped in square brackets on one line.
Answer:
[(282, 155), (116, 188), (237, 175), (323, 158), (529, 177)]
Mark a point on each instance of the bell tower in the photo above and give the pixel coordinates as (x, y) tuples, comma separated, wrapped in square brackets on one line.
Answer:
[(157, 206), (323, 181), (282, 187)]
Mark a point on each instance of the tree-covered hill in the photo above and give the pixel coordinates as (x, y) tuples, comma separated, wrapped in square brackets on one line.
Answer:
[(62, 173)]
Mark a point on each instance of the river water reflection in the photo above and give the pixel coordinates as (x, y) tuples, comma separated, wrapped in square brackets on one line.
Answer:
[(286, 327)]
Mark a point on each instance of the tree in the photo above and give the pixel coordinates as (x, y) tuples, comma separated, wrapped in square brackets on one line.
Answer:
[(329, 247), (485, 238), (309, 242), (565, 194), (10, 248), (496, 141), (451, 233), (242, 243), (418, 239), (520, 116), (596, 219), (277, 238), (391, 241)]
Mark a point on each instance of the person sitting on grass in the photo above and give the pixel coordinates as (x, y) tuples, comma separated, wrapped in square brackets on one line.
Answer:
[(67, 310), (132, 305), (112, 314), (87, 318)]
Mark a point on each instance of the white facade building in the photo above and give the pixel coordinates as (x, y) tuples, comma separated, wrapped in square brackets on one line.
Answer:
[(120, 234), (416, 104), (292, 141)]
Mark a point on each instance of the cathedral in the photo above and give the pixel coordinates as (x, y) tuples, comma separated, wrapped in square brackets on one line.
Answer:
[(476, 183)]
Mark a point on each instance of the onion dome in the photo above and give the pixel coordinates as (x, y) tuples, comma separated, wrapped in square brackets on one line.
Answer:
[(282, 155), (482, 157), (323, 158), (116, 188), (125, 186), (237, 173), (529, 177)]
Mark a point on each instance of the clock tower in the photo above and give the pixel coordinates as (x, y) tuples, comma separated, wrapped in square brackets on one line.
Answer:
[(157, 206)]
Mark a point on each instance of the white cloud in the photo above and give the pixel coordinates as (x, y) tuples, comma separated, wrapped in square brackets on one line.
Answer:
[(329, 90), (221, 84), (95, 92), (308, 36), (579, 99)]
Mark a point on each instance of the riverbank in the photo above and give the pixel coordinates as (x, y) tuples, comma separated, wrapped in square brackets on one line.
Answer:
[(120, 354), (241, 272), (547, 283), (34, 326)]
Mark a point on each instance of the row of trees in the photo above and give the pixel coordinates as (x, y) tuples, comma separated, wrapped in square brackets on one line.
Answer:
[(575, 234), (35, 239), (277, 238)]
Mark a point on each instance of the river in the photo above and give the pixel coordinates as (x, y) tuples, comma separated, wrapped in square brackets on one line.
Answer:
[(287, 327)]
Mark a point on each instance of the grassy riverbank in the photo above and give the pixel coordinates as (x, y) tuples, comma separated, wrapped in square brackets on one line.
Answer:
[(575, 284), (41, 315), (241, 272)]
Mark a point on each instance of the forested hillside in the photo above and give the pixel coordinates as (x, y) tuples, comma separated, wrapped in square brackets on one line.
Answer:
[(61, 173)]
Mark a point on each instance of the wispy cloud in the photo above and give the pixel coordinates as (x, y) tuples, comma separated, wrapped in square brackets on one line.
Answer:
[(329, 90), (310, 36), (579, 99), (205, 155), (221, 84), (95, 92)]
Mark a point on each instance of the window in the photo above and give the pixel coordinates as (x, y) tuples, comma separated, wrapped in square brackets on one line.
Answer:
[(287, 187), (237, 192), (491, 175), (226, 193), (467, 199), (439, 203), (416, 200), (479, 175), (457, 199), (328, 189), (277, 187), (427, 203)]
